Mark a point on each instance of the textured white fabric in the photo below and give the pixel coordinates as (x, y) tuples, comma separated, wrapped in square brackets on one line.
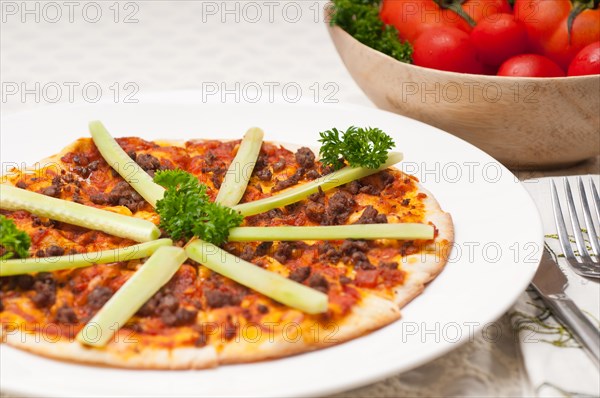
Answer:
[(555, 363), (186, 45)]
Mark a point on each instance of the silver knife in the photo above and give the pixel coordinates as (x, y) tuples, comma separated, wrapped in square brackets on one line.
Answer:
[(551, 282)]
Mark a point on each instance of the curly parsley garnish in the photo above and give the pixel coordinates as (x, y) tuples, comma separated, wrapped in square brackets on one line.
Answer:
[(361, 147), (360, 18), (186, 210), (13, 241)]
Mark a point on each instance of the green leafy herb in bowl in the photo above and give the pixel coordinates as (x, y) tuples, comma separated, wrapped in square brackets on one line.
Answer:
[(360, 18)]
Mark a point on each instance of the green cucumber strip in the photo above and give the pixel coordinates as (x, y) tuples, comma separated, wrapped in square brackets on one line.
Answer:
[(329, 181), (405, 231), (239, 171), (48, 264), (146, 281), (12, 198), (272, 285), (131, 172)]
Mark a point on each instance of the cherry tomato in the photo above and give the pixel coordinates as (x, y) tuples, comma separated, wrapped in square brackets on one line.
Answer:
[(530, 65), (413, 17), (587, 61), (446, 49), (499, 37), (559, 29)]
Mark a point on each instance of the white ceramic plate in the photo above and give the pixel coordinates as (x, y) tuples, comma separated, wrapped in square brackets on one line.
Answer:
[(498, 235)]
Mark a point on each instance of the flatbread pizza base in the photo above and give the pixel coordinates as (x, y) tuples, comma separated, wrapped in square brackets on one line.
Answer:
[(122, 354), (372, 313), (422, 268)]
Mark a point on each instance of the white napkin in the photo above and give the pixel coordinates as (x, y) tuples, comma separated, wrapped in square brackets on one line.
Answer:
[(555, 363)]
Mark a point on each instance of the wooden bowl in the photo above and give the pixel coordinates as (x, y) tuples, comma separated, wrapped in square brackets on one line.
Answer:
[(525, 123)]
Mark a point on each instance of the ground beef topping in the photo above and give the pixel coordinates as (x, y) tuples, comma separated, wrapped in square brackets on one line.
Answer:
[(339, 208), (263, 248), (66, 315), (261, 162), (179, 317), (218, 174), (216, 298), (318, 282), (162, 301), (300, 274), (372, 185), (54, 250), (45, 290), (315, 212), (290, 181), (247, 253), (263, 309), (98, 297), (148, 163), (124, 195), (312, 174), (52, 190), (371, 216), (279, 165), (328, 252), (264, 175), (305, 158), (355, 253), (284, 252)]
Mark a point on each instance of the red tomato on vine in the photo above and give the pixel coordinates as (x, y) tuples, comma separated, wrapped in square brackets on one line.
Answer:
[(446, 48), (559, 29), (587, 61), (413, 17), (499, 38), (530, 65)]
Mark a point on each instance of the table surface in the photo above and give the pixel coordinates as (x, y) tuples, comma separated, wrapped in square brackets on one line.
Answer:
[(228, 50)]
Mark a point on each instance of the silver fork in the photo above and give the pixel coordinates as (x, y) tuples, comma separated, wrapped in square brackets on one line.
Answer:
[(583, 264)]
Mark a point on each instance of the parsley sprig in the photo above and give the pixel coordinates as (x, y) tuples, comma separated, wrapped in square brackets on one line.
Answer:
[(361, 147), (186, 210), (360, 18), (13, 241)]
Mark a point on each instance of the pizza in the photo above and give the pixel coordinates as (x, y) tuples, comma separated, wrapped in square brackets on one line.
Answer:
[(201, 319)]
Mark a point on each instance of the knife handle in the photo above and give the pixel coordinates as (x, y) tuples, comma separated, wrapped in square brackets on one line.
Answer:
[(586, 333)]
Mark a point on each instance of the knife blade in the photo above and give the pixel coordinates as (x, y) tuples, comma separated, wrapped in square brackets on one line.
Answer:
[(551, 282)]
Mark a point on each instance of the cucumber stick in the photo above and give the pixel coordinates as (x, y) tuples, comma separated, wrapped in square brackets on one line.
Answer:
[(48, 264), (239, 172), (12, 198), (329, 181), (405, 231), (116, 157), (266, 282), (146, 281), (272, 285)]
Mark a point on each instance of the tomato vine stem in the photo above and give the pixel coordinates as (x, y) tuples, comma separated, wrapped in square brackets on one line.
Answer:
[(455, 6), (579, 6)]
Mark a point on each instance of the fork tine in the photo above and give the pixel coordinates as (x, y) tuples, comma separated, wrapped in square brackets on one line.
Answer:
[(596, 198), (561, 228), (583, 253), (593, 238)]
